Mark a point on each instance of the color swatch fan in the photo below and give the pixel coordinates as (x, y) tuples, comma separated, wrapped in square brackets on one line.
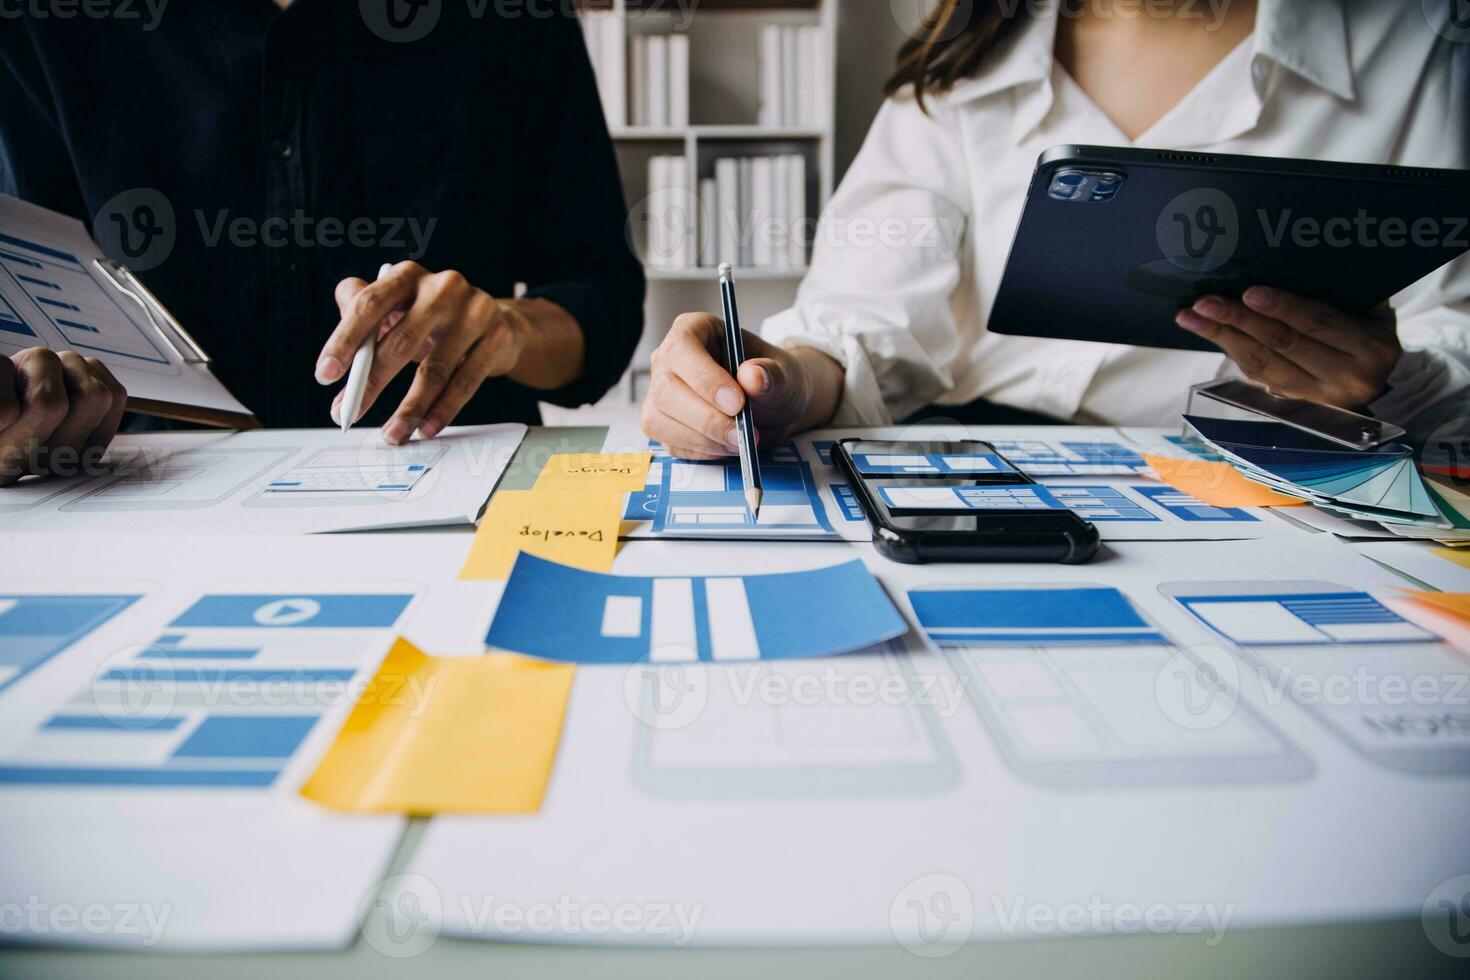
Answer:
[(1381, 484)]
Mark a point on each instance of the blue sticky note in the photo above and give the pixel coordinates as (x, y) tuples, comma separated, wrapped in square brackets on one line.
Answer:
[(1092, 615), (573, 616)]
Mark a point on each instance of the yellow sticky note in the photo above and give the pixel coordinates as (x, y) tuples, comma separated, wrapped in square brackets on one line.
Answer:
[(1455, 603), (1458, 555), (1217, 484), (576, 527), (615, 472), (447, 735)]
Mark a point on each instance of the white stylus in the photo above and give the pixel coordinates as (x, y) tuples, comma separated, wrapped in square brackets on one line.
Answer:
[(362, 366)]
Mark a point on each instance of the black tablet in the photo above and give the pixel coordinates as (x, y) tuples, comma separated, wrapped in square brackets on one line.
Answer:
[(1114, 241)]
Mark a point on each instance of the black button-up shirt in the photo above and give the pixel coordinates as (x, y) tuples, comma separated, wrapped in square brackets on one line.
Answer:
[(246, 159)]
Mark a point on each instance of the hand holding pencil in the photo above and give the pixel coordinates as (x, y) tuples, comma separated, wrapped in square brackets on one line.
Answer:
[(694, 398)]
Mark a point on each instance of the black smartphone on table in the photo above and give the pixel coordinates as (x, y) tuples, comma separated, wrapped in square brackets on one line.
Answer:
[(959, 501)]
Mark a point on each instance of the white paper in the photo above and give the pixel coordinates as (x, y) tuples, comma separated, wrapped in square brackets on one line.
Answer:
[(221, 867), (285, 481), (719, 808), (51, 295), (1420, 561)]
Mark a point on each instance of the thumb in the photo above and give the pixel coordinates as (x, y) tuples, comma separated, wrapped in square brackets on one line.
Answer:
[(775, 389)]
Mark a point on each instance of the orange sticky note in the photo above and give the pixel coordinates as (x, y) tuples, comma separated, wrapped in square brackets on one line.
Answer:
[(1457, 604), (447, 735), (1217, 484)]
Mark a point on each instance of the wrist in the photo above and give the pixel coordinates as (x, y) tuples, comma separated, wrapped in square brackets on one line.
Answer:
[(821, 380), (548, 348), (517, 331)]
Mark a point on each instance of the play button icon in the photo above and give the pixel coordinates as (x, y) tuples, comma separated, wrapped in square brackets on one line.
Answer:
[(287, 612)]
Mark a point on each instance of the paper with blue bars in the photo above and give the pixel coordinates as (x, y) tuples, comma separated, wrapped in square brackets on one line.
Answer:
[(565, 614), (219, 698), (53, 294), (1040, 615), (1297, 617)]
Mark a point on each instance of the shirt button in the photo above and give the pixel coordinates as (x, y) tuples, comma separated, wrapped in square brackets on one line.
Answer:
[(281, 149)]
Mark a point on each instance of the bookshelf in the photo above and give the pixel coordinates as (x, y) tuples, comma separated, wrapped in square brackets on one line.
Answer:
[(724, 98)]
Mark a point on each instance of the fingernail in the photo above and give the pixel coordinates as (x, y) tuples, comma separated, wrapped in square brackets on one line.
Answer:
[(429, 430), (397, 431), (1260, 296), (728, 399), (1184, 322), (328, 369), (1210, 307), (337, 413), (765, 378), (732, 438)]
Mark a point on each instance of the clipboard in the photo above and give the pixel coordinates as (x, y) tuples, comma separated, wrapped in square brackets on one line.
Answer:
[(58, 291), (177, 339)]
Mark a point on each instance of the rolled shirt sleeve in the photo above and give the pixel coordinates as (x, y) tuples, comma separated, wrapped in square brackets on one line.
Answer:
[(886, 262), (1429, 390)]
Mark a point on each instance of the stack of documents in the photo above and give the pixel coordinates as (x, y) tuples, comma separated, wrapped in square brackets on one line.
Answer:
[(1383, 485)]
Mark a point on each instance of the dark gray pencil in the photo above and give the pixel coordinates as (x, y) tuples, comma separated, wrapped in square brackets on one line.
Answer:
[(750, 467)]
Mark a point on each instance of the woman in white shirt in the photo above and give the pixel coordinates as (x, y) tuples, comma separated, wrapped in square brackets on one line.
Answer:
[(889, 324)]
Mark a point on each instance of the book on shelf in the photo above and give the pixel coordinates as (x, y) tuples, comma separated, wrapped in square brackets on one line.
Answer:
[(603, 32), (794, 76), (754, 213), (673, 226), (660, 90), (727, 210), (709, 236)]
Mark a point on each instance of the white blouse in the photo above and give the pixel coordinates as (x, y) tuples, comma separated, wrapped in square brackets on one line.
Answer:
[(910, 252)]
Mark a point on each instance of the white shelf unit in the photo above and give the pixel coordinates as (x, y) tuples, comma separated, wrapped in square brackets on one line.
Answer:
[(724, 109)]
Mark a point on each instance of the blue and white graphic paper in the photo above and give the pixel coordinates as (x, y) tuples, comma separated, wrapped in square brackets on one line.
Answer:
[(569, 615), (1084, 615), (1040, 457), (221, 698), (1020, 497), (387, 469), (1103, 505), (1190, 509), (929, 464), (35, 628), (61, 291), (707, 500), (847, 502), (1303, 619)]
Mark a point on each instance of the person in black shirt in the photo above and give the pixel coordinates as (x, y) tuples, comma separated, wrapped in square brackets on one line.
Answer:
[(258, 160)]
